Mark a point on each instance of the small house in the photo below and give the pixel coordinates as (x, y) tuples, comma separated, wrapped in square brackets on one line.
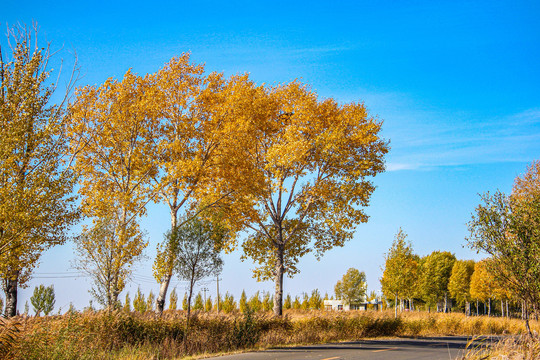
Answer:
[(353, 305)]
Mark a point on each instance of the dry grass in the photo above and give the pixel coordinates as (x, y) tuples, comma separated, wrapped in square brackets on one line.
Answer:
[(521, 347), (123, 335)]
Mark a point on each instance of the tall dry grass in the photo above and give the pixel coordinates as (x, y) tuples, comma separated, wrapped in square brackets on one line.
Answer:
[(521, 347), (123, 335)]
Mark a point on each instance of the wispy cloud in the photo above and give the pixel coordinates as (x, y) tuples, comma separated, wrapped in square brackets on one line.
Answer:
[(424, 138)]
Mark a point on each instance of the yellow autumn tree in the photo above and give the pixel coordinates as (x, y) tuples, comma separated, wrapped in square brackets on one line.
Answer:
[(195, 143), (400, 275), (312, 162), (113, 129), (483, 284), (506, 228), (36, 201)]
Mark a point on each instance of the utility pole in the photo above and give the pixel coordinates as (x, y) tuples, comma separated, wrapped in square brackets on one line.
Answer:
[(217, 282)]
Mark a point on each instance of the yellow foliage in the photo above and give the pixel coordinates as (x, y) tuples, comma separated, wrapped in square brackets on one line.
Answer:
[(36, 200)]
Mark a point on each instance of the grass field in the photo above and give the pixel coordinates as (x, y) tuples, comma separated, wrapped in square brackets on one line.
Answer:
[(123, 335)]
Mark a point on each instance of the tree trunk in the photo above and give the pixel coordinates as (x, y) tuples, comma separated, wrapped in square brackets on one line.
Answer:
[(164, 286), (477, 308), (502, 308), (395, 308), (445, 302), (278, 279), (11, 295), (160, 301), (489, 307), (525, 310), (189, 301), (507, 312), (217, 287)]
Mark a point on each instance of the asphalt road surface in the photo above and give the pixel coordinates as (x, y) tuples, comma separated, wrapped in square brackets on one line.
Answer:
[(443, 348)]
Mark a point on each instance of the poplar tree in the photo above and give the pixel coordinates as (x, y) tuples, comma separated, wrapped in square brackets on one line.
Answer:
[(197, 245), (435, 276), (312, 162), (507, 228), (228, 305), (37, 205), (459, 284), (112, 127), (173, 300), (242, 304), (192, 145), (400, 275), (198, 305), (352, 286)]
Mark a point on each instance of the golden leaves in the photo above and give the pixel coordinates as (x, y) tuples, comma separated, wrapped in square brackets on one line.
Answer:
[(36, 203)]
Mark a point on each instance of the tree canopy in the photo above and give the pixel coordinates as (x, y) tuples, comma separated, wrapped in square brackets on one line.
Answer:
[(197, 247), (506, 228), (352, 287), (459, 284), (436, 271), (312, 162), (37, 204), (400, 275)]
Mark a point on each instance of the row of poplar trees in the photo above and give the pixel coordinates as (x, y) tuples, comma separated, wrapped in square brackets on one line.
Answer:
[(290, 169), (504, 227), (436, 278)]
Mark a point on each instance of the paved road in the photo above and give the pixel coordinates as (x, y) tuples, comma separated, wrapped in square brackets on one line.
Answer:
[(443, 348)]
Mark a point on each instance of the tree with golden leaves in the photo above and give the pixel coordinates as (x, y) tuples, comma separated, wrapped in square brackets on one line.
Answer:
[(483, 284), (113, 129), (507, 228), (312, 163), (459, 285), (195, 168), (400, 275), (36, 201)]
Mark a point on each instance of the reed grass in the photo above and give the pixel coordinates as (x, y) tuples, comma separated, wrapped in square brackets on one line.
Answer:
[(131, 335), (523, 347)]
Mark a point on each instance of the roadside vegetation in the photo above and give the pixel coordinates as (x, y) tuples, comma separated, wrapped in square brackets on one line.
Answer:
[(133, 335)]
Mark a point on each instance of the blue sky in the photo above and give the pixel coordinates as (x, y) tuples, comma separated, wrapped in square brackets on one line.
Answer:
[(457, 84)]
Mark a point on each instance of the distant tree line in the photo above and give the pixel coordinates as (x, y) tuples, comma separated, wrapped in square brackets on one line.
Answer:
[(507, 229)]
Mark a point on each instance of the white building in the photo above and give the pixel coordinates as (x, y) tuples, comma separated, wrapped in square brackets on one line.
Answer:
[(354, 305)]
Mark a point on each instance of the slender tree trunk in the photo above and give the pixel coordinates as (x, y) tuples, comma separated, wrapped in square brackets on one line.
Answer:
[(502, 308), (445, 302), (526, 317), (477, 308), (278, 280), (189, 301), (165, 282), (217, 287), (507, 312), (395, 307), (11, 295), (489, 307)]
